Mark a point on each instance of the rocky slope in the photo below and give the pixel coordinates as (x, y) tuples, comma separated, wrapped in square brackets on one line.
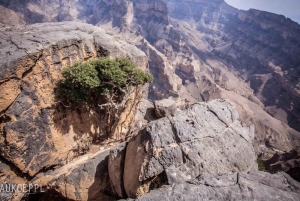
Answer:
[(205, 139), (201, 50), (197, 50), (238, 186), (38, 132), (190, 165)]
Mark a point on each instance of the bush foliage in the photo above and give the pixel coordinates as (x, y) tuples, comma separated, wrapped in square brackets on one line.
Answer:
[(261, 166), (88, 81)]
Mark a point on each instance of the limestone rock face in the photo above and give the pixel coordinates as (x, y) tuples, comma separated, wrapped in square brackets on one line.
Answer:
[(37, 131), (175, 176), (237, 186), (165, 107), (86, 178), (205, 139)]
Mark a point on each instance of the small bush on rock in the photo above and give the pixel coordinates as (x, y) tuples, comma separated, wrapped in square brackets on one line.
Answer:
[(261, 166), (79, 83), (102, 78)]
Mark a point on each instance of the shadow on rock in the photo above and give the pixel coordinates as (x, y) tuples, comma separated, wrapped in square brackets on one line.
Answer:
[(100, 189)]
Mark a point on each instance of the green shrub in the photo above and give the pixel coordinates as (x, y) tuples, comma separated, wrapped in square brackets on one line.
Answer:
[(90, 81), (261, 166)]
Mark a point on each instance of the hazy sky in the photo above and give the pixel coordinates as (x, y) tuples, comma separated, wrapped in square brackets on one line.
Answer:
[(288, 8)]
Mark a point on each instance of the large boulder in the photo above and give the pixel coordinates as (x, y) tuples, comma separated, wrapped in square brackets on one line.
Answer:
[(165, 107), (144, 114), (205, 139), (37, 131), (237, 186)]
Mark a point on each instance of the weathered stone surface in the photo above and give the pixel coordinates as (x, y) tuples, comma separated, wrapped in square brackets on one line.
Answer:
[(9, 174), (144, 114), (86, 178), (116, 163), (165, 107), (10, 177), (37, 131), (175, 176), (238, 186), (196, 141)]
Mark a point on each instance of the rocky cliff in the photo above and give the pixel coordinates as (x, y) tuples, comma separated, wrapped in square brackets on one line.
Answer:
[(203, 152), (38, 131), (197, 50), (202, 50), (205, 139)]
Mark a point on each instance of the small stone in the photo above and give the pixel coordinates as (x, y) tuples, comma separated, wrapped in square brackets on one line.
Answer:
[(165, 107)]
